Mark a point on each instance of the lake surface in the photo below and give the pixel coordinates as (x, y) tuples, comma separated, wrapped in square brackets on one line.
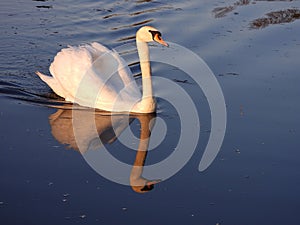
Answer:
[(252, 47)]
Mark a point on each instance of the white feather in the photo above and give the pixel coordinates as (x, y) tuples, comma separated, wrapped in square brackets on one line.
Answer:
[(93, 76)]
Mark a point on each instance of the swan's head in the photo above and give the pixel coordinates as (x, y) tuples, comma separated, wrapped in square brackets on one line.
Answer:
[(148, 34), (148, 186)]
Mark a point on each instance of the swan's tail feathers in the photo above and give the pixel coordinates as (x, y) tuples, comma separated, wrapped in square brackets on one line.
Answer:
[(52, 83)]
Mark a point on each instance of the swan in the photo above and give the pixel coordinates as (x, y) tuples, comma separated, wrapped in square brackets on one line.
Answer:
[(93, 76)]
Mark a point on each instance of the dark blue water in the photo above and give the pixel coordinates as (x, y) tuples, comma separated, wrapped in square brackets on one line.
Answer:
[(253, 49)]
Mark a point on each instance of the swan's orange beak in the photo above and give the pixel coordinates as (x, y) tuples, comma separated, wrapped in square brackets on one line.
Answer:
[(157, 38)]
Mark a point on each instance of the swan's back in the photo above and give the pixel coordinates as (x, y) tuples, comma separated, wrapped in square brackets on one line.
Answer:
[(93, 76)]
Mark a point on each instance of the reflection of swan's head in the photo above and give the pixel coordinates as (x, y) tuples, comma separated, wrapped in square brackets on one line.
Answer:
[(148, 34), (147, 186)]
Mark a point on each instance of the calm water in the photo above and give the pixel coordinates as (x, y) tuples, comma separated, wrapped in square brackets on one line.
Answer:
[(253, 49)]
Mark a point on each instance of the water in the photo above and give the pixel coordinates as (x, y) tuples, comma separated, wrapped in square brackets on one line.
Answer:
[(253, 49)]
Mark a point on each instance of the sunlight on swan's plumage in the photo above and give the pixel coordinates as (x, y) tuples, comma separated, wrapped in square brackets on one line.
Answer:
[(94, 76)]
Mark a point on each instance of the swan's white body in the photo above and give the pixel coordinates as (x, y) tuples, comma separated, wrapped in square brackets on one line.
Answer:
[(94, 76)]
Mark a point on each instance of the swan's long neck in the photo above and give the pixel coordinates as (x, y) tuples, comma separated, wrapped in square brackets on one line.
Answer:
[(143, 51)]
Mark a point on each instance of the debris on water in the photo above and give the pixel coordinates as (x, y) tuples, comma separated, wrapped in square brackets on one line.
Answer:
[(178, 9), (65, 197), (237, 151), (181, 81), (124, 209), (228, 74), (44, 6), (83, 216), (241, 110), (1, 203), (50, 183), (232, 74)]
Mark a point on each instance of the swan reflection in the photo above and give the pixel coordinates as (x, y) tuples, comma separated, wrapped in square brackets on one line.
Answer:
[(109, 128)]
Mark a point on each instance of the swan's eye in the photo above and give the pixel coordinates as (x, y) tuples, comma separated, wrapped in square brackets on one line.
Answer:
[(156, 34)]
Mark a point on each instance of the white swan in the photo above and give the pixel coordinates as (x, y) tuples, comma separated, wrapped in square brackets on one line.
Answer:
[(92, 75)]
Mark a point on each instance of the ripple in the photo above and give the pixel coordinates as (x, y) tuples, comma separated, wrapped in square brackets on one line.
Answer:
[(276, 17), (127, 38), (150, 10), (133, 24), (112, 15), (33, 93), (223, 11)]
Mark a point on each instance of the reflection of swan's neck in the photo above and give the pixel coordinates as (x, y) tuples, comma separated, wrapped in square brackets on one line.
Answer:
[(137, 181), (147, 104), (136, 178)]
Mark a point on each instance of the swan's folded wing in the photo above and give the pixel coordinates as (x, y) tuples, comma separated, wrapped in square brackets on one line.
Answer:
[(69, 67), (94, 76), (119, 77)]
